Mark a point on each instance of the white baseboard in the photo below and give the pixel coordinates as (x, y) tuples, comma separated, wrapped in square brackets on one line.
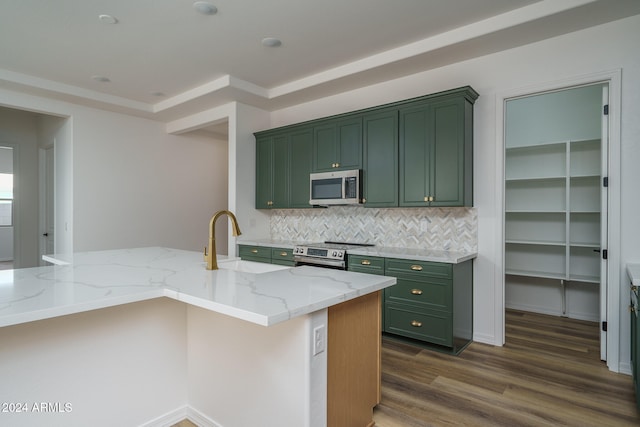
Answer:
[(180, 414), (168, 419)]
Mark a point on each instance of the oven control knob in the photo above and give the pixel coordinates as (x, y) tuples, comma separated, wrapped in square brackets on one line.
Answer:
[(340, 254), (334, 254)]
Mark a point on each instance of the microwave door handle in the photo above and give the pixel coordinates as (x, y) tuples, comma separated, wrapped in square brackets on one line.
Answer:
[(344, 188)]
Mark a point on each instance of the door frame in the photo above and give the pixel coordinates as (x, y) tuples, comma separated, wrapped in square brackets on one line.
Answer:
[(613, 78), (46, 161)]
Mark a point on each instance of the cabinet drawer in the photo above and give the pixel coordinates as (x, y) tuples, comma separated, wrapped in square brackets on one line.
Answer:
[(281, 254), (410, 268), (255, 253), (431, 294), (366, 264), (429, 325)]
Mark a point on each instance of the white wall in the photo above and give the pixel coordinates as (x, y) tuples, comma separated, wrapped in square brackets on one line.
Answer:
[(602, 48), (130, 184)]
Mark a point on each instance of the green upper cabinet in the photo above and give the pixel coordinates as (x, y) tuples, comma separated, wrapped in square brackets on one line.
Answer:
[(380, 159), (283, 165), (417, 152), (301, 150), (436, 152), (272, 172), (337, 145)]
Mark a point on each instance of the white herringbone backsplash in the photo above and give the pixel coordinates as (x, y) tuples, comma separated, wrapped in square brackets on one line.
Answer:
[(452, 229)]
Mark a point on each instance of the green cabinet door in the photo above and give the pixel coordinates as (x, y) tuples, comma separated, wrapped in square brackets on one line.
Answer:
[(451, 166), (272, 172), (380, 159), (280, 192), (436, 153), (415, 156), (337, 145), (264, 167), (301, 156)]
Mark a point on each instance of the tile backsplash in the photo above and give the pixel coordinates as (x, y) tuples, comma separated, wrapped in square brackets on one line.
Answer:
[(452, 229)]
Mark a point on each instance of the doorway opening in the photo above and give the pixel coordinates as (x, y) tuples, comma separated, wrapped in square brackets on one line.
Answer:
[(556, 205), (6, 207)]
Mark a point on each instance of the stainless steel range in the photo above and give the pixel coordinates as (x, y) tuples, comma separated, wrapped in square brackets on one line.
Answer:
[(328, 254)]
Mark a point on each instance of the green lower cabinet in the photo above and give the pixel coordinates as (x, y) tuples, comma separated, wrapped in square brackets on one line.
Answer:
[(635, 345), (369, 265), (267, 254), (255, 253), (282, 256), (425, 325), (432, 302), (430, 305)]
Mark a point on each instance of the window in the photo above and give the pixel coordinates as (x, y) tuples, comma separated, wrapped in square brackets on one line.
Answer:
[(6, 199)]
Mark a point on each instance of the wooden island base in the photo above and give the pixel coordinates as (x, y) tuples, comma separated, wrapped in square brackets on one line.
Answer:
[(353, 361)]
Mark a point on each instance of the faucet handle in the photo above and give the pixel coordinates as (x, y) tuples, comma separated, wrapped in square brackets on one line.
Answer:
[(205, 253)]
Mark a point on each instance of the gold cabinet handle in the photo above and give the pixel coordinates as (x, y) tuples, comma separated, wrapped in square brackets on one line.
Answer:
[(634, 288), (416, 324), (416, 291), (426, 198), (365, 262), (632, 309), (431, 198), (254, 251), (416, 267), (283, 254)]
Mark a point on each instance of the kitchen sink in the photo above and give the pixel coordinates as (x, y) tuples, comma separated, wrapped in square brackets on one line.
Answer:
[(243, 266)]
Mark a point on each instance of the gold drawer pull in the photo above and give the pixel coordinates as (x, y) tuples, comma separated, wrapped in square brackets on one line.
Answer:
[(416, 324), (416, 291), (632, 309), (283, 254), (634, 288), (365, 262), (254, 251), (416, 267)]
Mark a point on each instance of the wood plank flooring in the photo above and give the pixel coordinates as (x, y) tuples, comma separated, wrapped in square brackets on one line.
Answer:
[(549, 373)]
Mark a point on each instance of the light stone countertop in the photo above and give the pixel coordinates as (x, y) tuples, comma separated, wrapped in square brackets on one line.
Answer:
[(432, 255), (94, 280), (633, 270)]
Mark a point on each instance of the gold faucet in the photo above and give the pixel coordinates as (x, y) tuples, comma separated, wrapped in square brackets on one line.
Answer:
[(211, 258)]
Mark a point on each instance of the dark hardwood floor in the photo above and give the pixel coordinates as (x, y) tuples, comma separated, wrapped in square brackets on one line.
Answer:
[(549, 373)]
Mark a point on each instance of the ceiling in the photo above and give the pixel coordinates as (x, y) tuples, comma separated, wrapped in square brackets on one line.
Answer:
[(164, 60)]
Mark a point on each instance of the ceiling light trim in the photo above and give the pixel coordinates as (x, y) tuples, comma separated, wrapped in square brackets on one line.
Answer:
[(205, 8)]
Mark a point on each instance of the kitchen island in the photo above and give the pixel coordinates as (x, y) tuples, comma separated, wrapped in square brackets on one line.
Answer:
[(148, 337)]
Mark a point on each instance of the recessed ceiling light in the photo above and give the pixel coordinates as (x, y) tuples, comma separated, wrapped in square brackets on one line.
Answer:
[(108, 19), (271, 42), (205, 8), (158, 94), (101, 79)]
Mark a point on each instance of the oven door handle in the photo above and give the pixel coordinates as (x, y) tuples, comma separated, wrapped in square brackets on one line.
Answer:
[(318, 262)]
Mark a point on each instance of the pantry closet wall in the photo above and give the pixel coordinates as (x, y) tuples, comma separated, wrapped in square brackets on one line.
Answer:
[(553, 197)]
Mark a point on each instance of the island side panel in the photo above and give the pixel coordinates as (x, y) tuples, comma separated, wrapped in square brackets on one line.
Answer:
[(117, 366), (353, 363), (243, 374)]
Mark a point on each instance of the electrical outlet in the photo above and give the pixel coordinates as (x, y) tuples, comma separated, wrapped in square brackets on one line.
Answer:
[(319, 339)]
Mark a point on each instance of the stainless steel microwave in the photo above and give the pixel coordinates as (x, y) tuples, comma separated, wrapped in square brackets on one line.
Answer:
[(335, 188)]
